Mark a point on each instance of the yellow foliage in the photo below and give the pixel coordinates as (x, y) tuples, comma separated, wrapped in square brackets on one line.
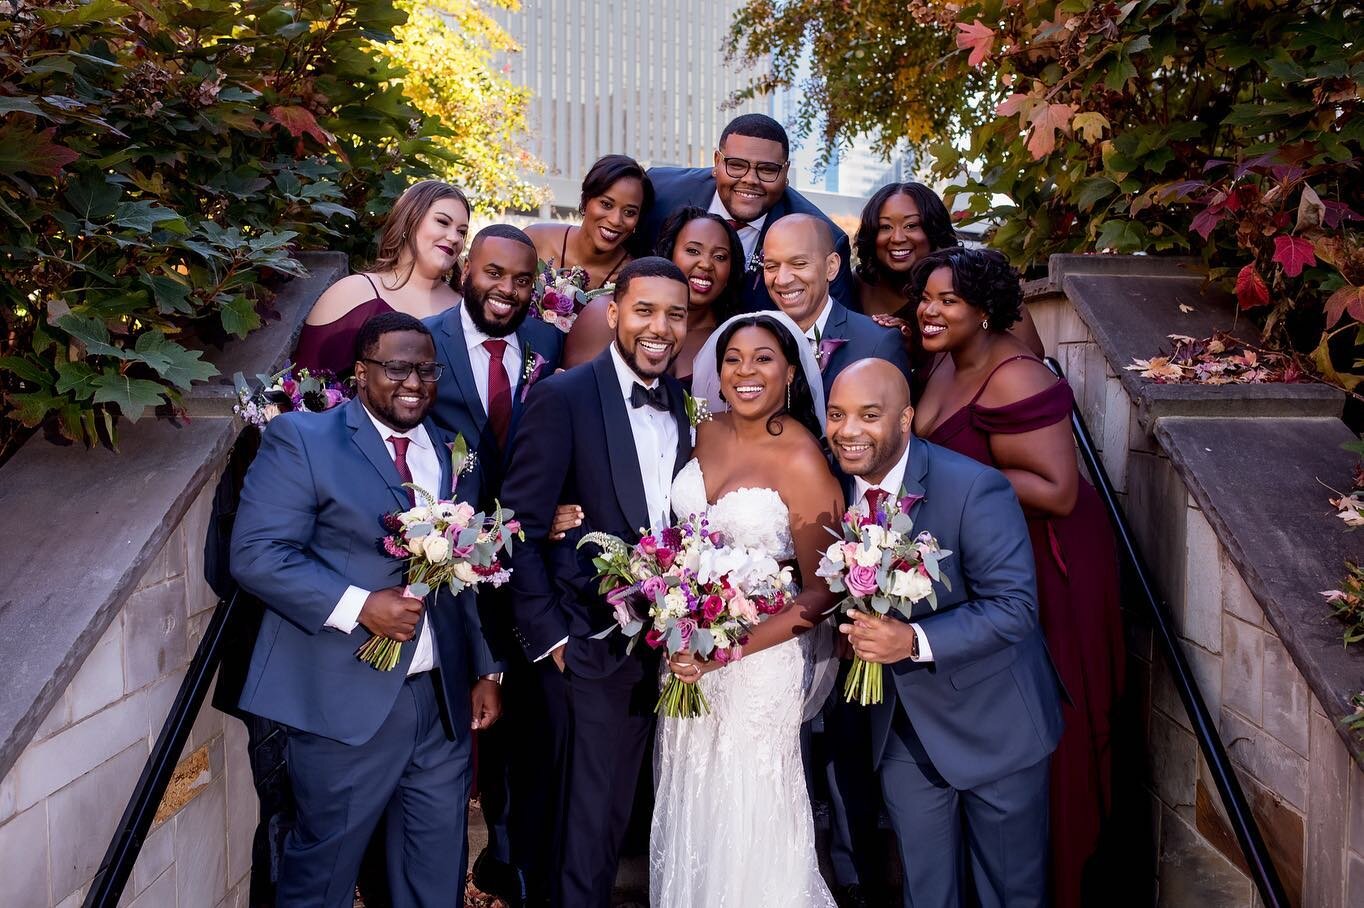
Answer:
[(450, 48)]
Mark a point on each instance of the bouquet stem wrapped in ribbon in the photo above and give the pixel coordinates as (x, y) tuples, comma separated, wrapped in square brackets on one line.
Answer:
[(445, 543), (881, 564), (686, 588)]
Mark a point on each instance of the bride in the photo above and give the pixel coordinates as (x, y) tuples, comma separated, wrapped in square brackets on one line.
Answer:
[(732, 826)]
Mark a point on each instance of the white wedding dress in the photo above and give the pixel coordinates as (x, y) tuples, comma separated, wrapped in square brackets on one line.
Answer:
[(732, 826)]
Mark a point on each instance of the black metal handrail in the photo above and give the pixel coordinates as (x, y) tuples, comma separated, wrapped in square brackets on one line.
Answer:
[(1205, 729), (114, 870)]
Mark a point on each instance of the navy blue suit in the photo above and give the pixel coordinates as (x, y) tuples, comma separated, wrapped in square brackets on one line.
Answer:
[(965, 740), (510, 775), (677, 187), (863, 339), (306, 529), (575, 444)]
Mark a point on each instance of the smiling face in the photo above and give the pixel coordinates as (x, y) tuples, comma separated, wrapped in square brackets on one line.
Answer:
[(946, 320), (702, 252), (868, 419), (650, 321), (748, 198), (798, 265), (499, 285), (900, 237), (610, 218), (439, 237), (754, 373), (398, 405)]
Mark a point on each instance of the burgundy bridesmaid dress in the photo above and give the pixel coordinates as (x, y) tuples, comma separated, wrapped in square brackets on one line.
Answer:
[(332, 346), (1077, 591)]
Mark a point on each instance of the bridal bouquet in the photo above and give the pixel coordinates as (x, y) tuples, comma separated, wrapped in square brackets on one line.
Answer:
[(445, 543), (561, 293), (882, 564), (694, 591), (285, 391)]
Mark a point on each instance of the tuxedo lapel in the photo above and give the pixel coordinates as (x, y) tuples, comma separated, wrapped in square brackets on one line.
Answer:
[(703, 192), (528, 357), (372, 446), (441, 442), (620, 444), (456, 352), (679, 414)]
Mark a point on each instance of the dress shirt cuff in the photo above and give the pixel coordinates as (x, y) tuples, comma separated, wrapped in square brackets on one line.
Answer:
[(925, 651), (346, 615), (547, 652), (495, 677)]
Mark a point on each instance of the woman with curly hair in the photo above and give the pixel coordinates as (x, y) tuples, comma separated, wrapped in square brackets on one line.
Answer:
[(987, 396)]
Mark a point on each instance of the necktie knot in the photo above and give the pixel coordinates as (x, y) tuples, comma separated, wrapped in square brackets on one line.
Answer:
[(736, 224), (495, 346), (874, 497), (656, 397), (400, 444)]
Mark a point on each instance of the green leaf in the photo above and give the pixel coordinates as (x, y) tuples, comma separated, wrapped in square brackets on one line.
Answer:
[(171, 295), (93, 197), (1118, 74), (1122, 236), (32, 409), (1093, 190), (132, 395), (21, 105), (143, 215), (76, 378), (91, 332), (26, 369), (239, 316), (173, 362), (84, 13)]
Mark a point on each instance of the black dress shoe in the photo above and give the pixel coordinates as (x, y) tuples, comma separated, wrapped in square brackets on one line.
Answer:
[(500, 880), (850, 897)]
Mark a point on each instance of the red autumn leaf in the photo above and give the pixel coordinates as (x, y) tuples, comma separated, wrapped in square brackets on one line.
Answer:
[(1016, 103), (299, 121), (1337, 213), (978, 37), (24, 150), (1206, 220), (1294, 253), (1251, 291), (1046, 119), (1346, 299)]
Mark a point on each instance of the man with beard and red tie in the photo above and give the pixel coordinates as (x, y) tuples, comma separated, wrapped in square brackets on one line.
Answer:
[(493, 356)]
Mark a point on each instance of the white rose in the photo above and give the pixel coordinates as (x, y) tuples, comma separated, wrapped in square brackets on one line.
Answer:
[(437, 548), (867, 557), (674, 603), (910, 585), (464, 572), (417, 545), (834, 553), (875, 534), (720, 636)]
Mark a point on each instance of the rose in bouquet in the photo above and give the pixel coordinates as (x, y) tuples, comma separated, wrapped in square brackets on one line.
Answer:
[(881, 564), (561, 293), (688, 588), (445, 543), (287, 390)]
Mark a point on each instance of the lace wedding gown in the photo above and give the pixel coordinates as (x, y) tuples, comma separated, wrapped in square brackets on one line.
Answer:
[(732, 826)]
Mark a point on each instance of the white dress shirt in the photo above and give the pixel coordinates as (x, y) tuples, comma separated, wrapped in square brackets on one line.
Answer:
[(816, 332), (425, 466), (748, 233), (479, 357), (892, 483)]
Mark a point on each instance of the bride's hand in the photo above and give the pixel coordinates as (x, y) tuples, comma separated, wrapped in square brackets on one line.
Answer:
[(566, 517), (687, 668)]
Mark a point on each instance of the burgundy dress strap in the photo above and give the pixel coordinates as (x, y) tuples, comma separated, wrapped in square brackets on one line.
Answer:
[(1045, 408), (563, 249), (1002, 363), (373, 286), (332, 346)]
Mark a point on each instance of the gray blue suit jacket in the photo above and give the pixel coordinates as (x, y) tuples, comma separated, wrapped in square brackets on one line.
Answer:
[(308, 526), (864, 339), (988, 704), (677, 187)]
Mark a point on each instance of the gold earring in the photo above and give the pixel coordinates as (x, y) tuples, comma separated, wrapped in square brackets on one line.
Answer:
[(788, 395)]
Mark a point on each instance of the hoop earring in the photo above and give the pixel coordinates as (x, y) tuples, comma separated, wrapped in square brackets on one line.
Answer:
[(788, 396), (985, 325)]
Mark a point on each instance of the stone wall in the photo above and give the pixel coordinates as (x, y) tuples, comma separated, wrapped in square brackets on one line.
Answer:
[(1208, 545)]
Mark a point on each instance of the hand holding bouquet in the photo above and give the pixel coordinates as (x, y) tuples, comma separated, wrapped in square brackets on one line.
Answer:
[(561, 293), (693, 591), (881, 564)]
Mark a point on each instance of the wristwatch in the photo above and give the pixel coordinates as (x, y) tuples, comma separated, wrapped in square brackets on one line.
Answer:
[(496, 677), (914, 647)]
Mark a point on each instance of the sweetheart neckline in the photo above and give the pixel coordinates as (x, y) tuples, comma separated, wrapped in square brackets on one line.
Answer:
[(701, 475)]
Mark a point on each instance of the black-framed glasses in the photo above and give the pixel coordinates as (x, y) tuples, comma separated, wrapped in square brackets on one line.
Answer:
[(737, 168), (399, 369)]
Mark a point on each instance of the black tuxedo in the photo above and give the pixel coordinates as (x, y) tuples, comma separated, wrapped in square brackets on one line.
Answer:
[(575, 444), (677, 187)]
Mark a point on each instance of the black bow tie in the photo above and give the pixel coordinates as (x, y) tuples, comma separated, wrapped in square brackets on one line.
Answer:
[(656, 397)]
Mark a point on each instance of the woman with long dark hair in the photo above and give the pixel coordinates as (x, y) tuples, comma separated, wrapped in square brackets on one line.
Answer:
[(987, 396), (416, 270)]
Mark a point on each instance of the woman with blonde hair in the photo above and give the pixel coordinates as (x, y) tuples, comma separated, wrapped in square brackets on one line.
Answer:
[(416, 270)]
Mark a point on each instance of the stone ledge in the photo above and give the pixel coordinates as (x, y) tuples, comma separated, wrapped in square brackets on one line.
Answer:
[(1254, 511)]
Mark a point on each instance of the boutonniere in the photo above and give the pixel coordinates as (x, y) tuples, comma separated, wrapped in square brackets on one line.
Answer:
[(531, 370), (698, 411), (462, 461), (755, 261), (826, 347)]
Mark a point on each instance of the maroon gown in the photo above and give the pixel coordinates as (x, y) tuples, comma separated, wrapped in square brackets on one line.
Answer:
[(1077, 592), (332, 346)]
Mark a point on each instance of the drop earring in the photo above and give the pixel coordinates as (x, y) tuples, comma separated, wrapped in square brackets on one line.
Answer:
[(788, 396), (985, 325)]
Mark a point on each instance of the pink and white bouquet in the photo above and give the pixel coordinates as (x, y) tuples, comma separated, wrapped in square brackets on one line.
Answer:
[(688, 588), (445, 543), (561, 293), (881, 564), (287, 390)]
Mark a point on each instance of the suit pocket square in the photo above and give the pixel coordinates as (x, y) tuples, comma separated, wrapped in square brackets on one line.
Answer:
[(991, 665)]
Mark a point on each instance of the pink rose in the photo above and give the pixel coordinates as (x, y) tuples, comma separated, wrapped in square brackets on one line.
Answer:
[(743, 608), (727, 654), (861, 580), (665, 557), (712, 607), (648, 545), (653, 587), (654, 638)]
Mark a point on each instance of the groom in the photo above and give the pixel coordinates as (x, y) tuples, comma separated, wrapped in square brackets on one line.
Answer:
[(608, 435), (964, 736)]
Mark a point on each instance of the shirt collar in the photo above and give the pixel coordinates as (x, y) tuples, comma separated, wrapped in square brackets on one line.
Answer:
[(822, 321), (718, 207), (474, 336), (892, 482), (625, 375), (416, 434)]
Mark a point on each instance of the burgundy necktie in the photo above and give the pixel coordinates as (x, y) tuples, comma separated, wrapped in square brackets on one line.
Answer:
[(737, 225), (874, 497), (400, 461), (499, 391)]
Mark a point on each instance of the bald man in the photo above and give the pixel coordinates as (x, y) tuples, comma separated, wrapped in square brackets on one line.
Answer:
[(963, 739), (799, 262)]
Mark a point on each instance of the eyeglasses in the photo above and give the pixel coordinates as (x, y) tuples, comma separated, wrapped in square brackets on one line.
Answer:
[(399, 369), (738, 168)]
